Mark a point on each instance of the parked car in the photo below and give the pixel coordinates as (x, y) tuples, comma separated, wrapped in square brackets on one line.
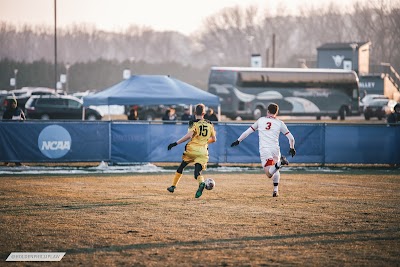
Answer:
[(61, 107), (366, 100), (22, 95), (80, 95), (376, 108)]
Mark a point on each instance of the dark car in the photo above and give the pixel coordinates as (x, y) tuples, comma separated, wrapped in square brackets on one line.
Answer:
[(376, 108), (23, 95), (62, 107)]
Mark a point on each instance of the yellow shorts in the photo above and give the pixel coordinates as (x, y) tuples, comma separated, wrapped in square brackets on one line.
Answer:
[(196, 154)]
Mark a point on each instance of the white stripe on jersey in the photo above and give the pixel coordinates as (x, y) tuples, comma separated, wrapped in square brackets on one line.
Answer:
[(269, 129)]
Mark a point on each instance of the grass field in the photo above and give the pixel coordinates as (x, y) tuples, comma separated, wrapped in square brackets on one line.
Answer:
[(349, 218)]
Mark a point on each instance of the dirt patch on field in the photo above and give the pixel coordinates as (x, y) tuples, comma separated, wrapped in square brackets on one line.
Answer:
[(319, 219)]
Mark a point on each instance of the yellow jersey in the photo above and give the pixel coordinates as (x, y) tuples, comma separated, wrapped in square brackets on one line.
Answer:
[(196, 150)]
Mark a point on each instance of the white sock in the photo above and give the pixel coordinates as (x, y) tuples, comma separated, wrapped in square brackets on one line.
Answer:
[(276, 178)]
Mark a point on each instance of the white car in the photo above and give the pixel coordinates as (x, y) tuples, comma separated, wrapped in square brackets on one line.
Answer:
[(366, 100)]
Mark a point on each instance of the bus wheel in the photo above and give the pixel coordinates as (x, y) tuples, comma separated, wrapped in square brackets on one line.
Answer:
[(257, 113), (342, 113)]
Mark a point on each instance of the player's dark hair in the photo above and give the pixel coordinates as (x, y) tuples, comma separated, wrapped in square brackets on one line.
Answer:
[(273, 108), (200, 108)]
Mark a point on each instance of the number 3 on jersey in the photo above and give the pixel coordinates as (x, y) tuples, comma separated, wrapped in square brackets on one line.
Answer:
[(269, 124)]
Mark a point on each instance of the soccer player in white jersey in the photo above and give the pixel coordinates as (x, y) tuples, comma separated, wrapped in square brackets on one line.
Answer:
[(269, 128)]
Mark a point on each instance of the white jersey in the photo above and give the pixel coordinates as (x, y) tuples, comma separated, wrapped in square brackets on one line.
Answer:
[(269, 129)]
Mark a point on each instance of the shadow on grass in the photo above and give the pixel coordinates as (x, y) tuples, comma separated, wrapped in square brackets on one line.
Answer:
[(284, 240)]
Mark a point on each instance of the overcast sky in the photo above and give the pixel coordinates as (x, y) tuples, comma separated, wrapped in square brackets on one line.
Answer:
[(185, 16)]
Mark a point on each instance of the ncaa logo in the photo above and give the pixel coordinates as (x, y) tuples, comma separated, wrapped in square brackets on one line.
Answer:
[(54, 141)]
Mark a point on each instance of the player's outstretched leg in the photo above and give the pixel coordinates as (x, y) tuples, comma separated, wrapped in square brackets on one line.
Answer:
[(174, 182), (274, 168), (284, 161), (171, 188), (276, 177), (199, 191), (178, 176), (197, 175)]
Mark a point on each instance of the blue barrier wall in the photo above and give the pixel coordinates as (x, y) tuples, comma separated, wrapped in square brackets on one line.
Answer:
[(147, 142), (54, 141)]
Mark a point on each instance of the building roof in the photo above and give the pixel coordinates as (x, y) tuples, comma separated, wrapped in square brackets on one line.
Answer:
[(341, 45)]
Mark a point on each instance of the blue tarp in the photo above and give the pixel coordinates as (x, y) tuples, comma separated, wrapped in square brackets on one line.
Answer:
[(151, 90)]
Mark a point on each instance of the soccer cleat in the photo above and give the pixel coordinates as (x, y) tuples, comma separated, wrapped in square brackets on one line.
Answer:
[(199, 191), (275, 194), (284, 161), (171, 188)]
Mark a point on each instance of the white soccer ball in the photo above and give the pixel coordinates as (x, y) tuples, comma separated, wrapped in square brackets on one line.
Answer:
[(210, 183)]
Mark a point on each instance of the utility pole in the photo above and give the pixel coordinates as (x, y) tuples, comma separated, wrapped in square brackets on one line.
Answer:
[(55, 45), (15, 78), (273, 50), (67, 66)]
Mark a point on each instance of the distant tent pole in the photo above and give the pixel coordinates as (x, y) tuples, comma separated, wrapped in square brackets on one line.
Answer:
[(109, 115), (219, 112), (83, 113)]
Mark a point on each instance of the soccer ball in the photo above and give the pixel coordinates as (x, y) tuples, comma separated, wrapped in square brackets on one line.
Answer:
[(210, 183)]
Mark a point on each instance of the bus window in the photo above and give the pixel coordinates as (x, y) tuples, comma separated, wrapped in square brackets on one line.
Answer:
[(222, 77)]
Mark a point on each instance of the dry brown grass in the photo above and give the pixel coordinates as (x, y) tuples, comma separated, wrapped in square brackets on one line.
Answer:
[(341, 219)]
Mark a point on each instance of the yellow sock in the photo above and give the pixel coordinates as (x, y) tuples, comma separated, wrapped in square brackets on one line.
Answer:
[(200, 179), (176, 178)]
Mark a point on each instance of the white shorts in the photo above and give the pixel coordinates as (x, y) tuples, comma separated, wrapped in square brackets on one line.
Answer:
[(269, 156)]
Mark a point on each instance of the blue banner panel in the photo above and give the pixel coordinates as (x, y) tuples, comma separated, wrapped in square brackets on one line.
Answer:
[(309, 143), (130, 142), (54, 141), (217, 151), (247, 151), (161, 136), (370, 144), (143, 142)]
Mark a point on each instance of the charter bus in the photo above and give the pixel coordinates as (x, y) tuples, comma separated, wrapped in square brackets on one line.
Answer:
[(246, 92)]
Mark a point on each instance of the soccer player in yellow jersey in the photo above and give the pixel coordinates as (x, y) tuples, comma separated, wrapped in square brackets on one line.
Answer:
[(201, 132)]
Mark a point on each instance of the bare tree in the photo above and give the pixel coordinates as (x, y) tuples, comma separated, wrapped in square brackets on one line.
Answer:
[(230, 34)]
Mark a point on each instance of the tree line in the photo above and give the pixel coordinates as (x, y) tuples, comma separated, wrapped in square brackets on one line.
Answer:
[(98, 58)]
